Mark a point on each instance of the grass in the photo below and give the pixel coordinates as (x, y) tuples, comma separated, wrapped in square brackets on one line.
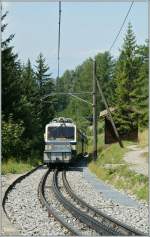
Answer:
[(118, 173), (15, 167), (145, 155), (100, 143), (143, 138)]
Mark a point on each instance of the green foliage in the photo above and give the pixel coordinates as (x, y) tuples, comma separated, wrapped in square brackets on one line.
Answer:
[(42, 75), (100, 140), (11, 83), (104, 73), (65, 84), (22, 91), (140, 93), (29, 84), (44, 106), (100, 127), (131, 80), (14, 167), (11, 138), (143, 138), (5, 42), (125, 77), (81, 80), (124, 83), (143, 192)]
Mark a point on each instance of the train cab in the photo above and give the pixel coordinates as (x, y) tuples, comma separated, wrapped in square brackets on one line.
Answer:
[(60, 137)]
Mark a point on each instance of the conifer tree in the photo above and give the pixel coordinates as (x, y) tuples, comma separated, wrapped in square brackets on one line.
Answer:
[(29, 93), (5, 42), (140, 93), (104, 73), (80, 80), (28, 80), (11, 74), (42, 75), (45, 106), (125, 79), (11, 99)]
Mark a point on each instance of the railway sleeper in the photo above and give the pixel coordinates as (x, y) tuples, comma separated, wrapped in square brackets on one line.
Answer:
[(51, 210), (88, 220), (120, 229)]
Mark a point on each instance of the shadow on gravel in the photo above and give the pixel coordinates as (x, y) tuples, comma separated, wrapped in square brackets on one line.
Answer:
[(75, 165), (44, 167), (78, 165), (75, 169)]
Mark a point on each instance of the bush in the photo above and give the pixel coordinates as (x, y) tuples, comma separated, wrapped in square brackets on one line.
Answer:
[(15, 167), (11, 138)]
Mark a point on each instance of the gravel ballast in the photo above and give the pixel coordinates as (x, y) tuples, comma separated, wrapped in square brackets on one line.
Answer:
[(26, 212), (135, 217), (30, 218), (69, 218)]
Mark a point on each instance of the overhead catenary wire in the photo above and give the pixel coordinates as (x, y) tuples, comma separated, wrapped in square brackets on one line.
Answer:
[(77, 97), (58, 58), (98, 83), (113, 43), (59, 23)]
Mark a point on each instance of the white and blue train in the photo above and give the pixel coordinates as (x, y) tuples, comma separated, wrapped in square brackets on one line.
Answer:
[(63, 141)]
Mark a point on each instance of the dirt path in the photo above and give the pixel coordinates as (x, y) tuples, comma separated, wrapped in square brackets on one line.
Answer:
[(138, 159)]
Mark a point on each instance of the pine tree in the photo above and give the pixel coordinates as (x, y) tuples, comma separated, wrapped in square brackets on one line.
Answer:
[(42, 75), (125, 79), (29, 92), (81, 80), (12, 99), (140, 92), (64, 84), (45, 106), (11, 74), (5, 42), (104, 73), (29, 84)]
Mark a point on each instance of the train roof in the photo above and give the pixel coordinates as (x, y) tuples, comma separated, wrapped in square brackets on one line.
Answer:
[(62, 120)]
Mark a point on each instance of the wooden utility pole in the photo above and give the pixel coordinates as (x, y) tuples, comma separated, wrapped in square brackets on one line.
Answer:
[(109, 113), (94, 113)]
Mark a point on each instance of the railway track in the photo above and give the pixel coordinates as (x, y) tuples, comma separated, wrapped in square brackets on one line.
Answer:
[(50, 209), (92, 218), (111, 224), (18, 180)]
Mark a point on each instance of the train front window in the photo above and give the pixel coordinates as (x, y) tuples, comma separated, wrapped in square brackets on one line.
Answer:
[(60, 133)]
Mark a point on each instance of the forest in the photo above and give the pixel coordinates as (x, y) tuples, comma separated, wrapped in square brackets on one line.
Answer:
[(25, 110)]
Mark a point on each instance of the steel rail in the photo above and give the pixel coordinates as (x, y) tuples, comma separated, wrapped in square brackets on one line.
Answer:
[(117, 226), (50, 209), (81, 215), (13, 184)]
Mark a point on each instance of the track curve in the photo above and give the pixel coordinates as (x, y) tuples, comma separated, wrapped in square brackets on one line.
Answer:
[(111, 224)]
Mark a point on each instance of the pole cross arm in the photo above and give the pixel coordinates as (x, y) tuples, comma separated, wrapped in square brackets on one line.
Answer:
[(77, 97), (73, 94)]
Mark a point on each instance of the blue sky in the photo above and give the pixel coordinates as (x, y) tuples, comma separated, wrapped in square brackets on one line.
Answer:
[(86, 29)]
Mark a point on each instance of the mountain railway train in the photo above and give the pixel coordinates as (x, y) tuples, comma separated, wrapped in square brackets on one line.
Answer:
[(63, 141)]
